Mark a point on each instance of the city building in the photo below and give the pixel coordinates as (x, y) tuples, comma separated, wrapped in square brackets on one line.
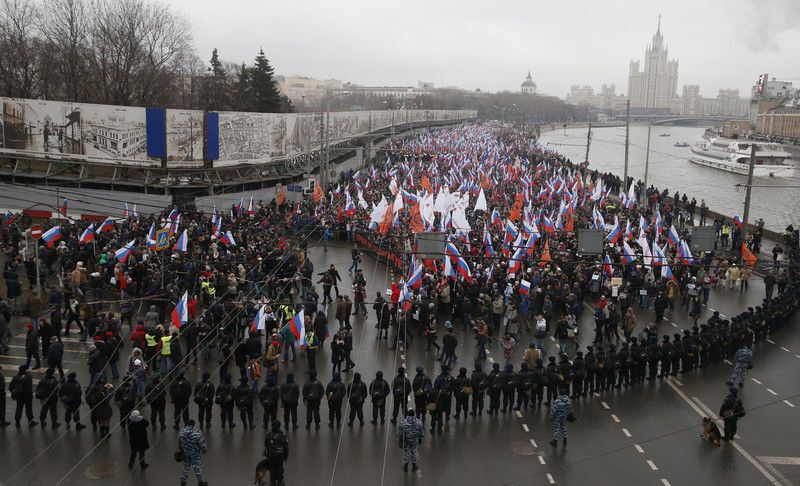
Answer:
[(528, 86), (119, 139), (727, 103), (304, 90), (691, 101), (782, 121), (735, 128), (607, 97), (771, 89), (653, 89), (581, 95)]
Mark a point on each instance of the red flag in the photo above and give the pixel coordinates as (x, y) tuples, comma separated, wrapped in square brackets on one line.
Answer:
[(748, 256), (282, 194), (516, 210), (318, 194), (387, 219), (416, 219), (546, 255), (568, 225), (426, 184)]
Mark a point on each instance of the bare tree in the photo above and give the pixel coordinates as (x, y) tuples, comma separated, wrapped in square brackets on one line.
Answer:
[(65, 26), (20, 48)]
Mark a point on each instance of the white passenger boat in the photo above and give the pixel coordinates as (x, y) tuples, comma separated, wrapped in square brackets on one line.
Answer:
[(734, 156)]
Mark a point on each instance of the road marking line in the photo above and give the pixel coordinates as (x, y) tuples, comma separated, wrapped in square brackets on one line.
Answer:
[(785, 349), (638, 448), (677, 381), (784, 461), (596, 394), (541, 460), (728, 362), (550, 479), (787, 402), (627, 434), (771, 391), (488, 352), (519, 414), (605, 405), (723, 315), (491, 360), (770, 341), (652, 465), (533, 443), (552, 338), (665, 482), (615, 418), (403, 357), (525, 428), (673, 324), (797, 355), (709, 413), (755, 381)]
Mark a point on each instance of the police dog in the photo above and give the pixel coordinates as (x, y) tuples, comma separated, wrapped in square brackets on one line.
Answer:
[(710, 431), (262, 469)]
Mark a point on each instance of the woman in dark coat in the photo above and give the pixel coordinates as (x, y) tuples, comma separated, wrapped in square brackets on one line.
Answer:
[(137, 435), (98, 396)]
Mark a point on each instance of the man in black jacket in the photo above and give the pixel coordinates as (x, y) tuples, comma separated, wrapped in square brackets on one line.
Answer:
[(313, 391), (156, 395), (3, 421), (357, 393), (180, 391), (224, 398), (204, 398), (70, 395), (290, 393), (378, 391), (730, 412), (335, 391), (47, 393), (479, 383), (243, 397), (21, 388), (401, 387), (269, 396)]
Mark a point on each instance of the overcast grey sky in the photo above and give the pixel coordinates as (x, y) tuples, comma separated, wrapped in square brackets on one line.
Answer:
[(491, 44)]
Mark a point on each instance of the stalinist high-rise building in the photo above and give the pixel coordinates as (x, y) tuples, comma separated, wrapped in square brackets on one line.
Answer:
[(655, 89)]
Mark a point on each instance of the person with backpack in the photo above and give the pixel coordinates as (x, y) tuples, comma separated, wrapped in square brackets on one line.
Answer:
[(462, 389), (204, 398), (269, 396), (378, 391), (276, 449), (290, 394), (357, 393), (243, 398), (478, 382), (137, 437), (540, 332), (46, 392), (313, 391), (179, 392), (401, 387), (21, 388), (224, 398), (421, 386)]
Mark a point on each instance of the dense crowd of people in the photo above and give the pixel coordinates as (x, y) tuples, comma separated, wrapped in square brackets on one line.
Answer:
[(511, 273)]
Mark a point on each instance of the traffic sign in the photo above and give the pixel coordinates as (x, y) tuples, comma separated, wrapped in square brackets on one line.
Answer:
[(162, 239), (36, 232)]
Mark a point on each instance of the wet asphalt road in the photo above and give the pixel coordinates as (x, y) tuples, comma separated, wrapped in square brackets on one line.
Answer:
[(644, 435)]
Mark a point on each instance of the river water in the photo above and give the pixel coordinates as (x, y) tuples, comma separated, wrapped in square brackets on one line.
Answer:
[(670, 168)]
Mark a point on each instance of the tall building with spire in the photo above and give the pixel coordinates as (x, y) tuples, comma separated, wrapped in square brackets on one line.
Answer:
[(655, 89)]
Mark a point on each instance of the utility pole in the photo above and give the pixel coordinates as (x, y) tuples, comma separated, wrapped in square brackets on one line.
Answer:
[(321, 146), (627, 139), (588, 142), (749, 188), (646, 163)]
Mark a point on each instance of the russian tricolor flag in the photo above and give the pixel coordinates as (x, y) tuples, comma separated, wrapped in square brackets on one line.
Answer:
[(488, 249), (672, 236), (613, 236), (180, 314), (297, 326), (52, 235), (7, 217), (607, 266), (737, 220), (227, 239), (183, 242), (105, 226), (524, 288), (151, 237), (463, 269), (627, 253), (64, 206), (260, 321), (415, 281), (123, 253), (87, 235)]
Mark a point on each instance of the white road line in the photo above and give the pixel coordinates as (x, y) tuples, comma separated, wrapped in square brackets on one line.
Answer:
[(673, 324), (638, 448), (403, 357), (491, 360), (785, 461), (615, 418), (596, 394), (541, 460), (533, 443), (787, 402), (708, 412), (677, 381), (755, 381), (519, 414), (552, 338), (488, 352), (665, 482), (797, 355), (723, 315), (785, 349), (550, 479), (525, 428), (770, 341), (605, 405), (728, 362), (712, 309), (652, 465), (771, 391), (627, 434)]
